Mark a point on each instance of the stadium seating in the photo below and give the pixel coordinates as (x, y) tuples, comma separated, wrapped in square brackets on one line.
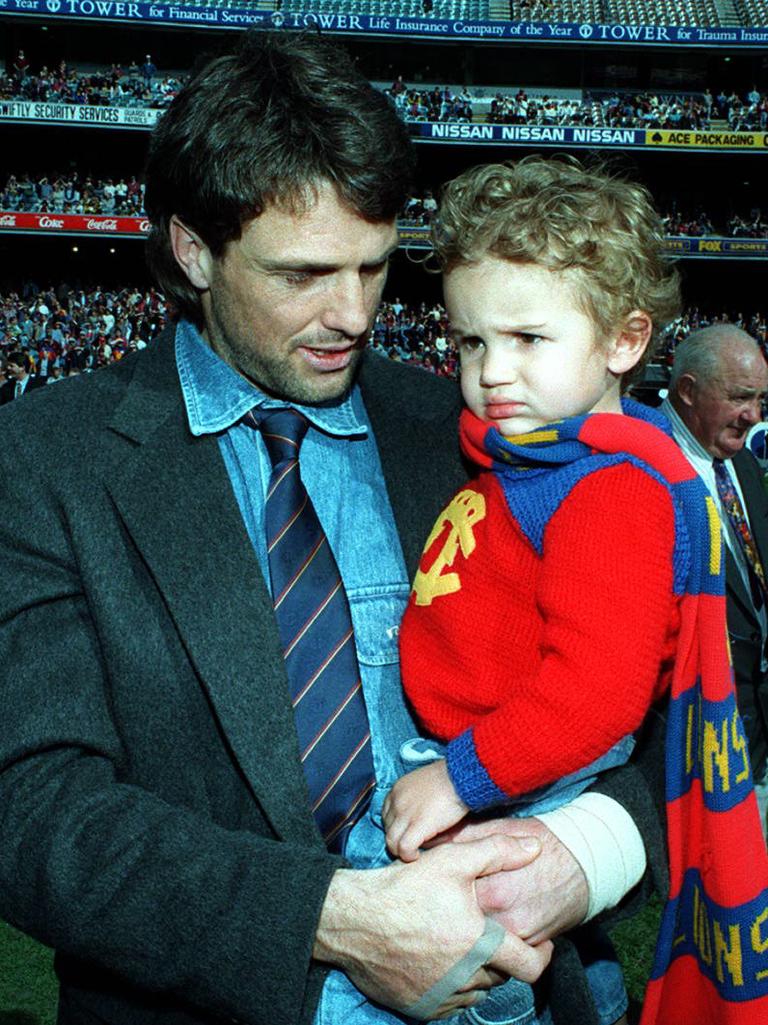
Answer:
[(663, 12), (753, 12), (558, 10)]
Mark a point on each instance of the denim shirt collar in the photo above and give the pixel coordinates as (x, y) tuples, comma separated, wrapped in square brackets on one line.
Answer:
[(216, 397)]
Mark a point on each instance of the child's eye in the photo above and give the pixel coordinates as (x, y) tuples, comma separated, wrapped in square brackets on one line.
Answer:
[(470, 344), (530, 339)]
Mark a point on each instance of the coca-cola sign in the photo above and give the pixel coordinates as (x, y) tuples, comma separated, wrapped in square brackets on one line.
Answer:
[(75, 224)]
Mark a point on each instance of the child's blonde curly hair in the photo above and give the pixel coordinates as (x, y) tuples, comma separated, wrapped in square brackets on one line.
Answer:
[(558, 214)]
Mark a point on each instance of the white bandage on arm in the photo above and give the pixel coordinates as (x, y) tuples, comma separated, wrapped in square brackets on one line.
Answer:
[(603, 838)]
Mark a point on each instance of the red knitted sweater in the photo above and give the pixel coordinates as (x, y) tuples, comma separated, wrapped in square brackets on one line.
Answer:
[(550, 658)]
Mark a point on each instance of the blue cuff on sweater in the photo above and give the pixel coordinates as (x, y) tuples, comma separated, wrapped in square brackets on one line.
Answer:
[(471, 782)]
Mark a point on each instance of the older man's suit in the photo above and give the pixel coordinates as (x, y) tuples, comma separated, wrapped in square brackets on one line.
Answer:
[(743, 626), (153, 813)]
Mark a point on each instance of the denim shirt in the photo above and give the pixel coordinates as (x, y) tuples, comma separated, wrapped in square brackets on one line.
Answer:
[(341, 470)]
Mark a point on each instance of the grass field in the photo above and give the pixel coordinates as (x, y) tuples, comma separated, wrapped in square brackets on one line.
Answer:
[(28, 985)]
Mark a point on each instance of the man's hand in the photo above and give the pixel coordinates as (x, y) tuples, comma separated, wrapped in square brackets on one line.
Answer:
[(420, 806), (540, 900), (396, 931)]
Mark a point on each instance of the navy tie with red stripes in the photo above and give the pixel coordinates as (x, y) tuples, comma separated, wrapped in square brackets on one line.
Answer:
[(318, 641)]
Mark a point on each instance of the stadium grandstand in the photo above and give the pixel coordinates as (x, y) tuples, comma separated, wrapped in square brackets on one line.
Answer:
[(673, 93)]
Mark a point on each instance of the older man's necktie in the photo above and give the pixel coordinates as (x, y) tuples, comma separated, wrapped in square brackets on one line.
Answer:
[(734, 510), (316, 632)]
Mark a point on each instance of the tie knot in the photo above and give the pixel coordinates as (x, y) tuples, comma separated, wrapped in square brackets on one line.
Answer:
[(283, 431)]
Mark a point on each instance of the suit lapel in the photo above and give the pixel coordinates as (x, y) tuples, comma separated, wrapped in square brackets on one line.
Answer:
[(412, 416), (756, 501), (757, 510), (175, 498)]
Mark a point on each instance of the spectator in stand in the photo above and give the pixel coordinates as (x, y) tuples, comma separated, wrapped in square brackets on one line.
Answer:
[(398, 86), (20, 380), (148, 71), (20, 67)]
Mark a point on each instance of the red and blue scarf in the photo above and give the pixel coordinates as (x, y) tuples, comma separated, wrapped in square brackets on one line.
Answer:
[(711, 962)]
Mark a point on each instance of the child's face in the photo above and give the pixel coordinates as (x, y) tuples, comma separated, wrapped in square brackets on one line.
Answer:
[(529, 353)]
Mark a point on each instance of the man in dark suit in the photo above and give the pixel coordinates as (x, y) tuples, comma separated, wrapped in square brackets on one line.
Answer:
[(20, 380), (156, 821), (717, 389)]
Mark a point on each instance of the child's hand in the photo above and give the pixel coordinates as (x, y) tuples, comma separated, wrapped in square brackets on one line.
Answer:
[(418, 807)]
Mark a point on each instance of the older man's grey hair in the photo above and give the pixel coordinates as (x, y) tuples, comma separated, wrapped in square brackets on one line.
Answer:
[(701, 353)]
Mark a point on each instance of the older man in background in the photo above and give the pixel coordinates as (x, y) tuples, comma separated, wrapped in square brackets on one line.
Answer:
[(718, 385)]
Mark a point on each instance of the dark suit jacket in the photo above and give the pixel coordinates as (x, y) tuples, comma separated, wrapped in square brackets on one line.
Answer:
[(155, 821), (743, 626), (8, 390)]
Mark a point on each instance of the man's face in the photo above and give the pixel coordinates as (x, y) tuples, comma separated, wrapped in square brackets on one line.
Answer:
[(291, 303), (16, 371), (720, 412)]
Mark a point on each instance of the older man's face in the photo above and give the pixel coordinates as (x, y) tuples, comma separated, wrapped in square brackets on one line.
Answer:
[(722, 411)]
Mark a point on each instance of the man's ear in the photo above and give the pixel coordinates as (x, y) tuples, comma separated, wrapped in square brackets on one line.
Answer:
[(630, 342), (191, 253), (685, 388)]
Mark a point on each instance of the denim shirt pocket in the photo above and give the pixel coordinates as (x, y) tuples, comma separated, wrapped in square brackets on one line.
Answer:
[(376, 614)]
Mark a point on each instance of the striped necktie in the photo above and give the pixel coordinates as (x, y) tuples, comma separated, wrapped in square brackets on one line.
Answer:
[(734, 510), (316, 632)]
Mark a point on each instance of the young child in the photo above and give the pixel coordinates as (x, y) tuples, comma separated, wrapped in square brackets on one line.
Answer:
[(543, 615), (578, 574)]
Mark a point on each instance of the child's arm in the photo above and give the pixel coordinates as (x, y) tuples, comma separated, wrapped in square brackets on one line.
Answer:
[(418, 807)]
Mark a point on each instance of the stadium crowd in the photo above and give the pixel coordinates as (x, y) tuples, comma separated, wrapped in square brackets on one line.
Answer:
[(522, 109), (133, 86), (693, 224), (751, 226), (140, 85), (65, 331), (652, 110), (439, 103), (744, 113), (698, 222), (73, 193)]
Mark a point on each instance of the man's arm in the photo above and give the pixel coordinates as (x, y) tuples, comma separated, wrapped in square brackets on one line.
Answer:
[(129, 842), (552, 894)]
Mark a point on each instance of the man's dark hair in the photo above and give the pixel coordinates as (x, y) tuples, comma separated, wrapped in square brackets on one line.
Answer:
[(266, 125), (19, 359)]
